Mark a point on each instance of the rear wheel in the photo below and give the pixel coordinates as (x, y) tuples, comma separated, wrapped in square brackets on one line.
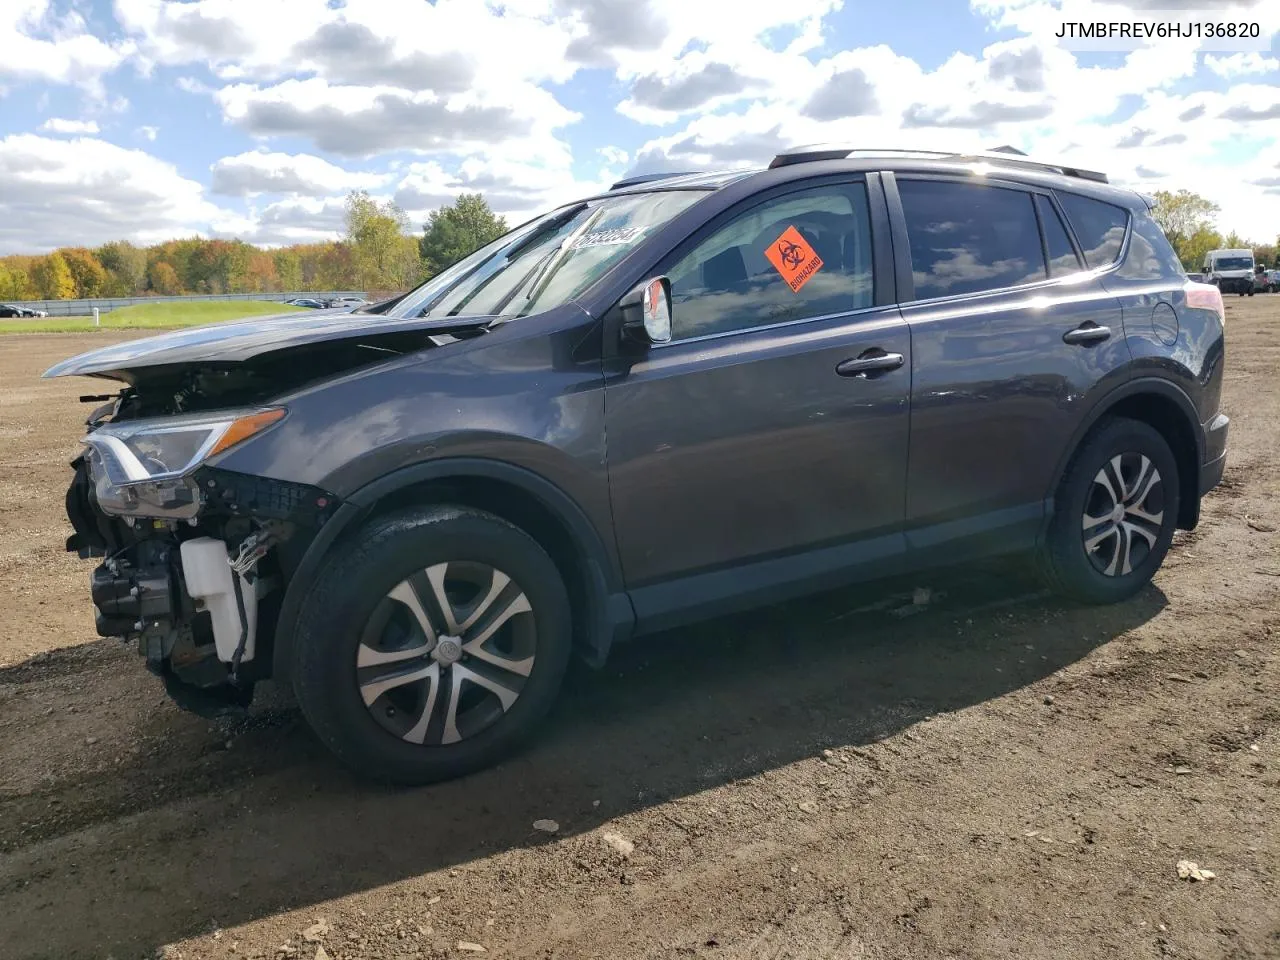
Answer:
[(1114, 513), (433, 645)]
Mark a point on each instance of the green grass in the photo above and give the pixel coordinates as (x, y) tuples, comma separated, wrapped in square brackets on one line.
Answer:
[(150, 316)]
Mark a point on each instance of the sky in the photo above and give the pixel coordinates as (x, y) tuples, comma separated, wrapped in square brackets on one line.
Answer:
[(151, 119)]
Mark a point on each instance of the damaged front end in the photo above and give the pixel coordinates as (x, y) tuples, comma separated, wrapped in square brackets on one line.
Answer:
[(194, 559)]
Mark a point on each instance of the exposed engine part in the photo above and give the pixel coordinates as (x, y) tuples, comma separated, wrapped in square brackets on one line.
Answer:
[(256, 546), (137, 594)]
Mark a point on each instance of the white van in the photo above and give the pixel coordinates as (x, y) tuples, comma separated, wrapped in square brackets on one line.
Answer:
[(1230, 270)]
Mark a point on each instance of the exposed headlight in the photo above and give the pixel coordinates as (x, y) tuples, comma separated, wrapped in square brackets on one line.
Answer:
[(142, 467)]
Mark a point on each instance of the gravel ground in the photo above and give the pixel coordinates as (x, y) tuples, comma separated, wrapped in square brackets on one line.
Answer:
[(989, 774)]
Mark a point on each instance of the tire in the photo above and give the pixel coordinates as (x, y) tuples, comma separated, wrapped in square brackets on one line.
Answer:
[(361, 632), (1123, 562)]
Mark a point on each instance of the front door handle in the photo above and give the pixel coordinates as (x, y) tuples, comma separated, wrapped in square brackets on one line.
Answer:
[(1087, 334), (870, 361)]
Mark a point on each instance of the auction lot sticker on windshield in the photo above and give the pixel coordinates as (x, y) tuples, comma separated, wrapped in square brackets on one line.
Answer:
[(601, 238), (793, 258)]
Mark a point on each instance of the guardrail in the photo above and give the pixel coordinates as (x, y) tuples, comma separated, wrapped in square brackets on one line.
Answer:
[(84, 308)]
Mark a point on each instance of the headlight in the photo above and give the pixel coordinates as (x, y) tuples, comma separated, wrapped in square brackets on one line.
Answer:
[(142, 467)]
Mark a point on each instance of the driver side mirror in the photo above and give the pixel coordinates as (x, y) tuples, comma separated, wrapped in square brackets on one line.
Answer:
[(646, 312)]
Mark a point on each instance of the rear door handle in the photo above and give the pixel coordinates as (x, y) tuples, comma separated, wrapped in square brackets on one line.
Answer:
[(1089, 333), (870, 361)]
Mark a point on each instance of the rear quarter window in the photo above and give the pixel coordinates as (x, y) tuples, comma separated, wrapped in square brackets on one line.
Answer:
[(1099, 226), (1150, 256)]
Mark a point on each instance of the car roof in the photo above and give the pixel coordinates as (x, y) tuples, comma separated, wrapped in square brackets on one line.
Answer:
[(994, 166)]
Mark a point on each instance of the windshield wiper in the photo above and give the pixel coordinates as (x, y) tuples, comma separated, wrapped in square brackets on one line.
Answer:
[(543, 278), (514, 250)]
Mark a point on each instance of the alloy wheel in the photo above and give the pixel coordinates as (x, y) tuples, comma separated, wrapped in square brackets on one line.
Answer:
[(1123, 514), (446, 653)]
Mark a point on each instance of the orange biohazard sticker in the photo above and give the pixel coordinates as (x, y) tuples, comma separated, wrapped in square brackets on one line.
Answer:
[(793, 258)]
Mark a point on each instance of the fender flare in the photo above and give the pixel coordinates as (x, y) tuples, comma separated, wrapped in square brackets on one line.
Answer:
[(610, 617), (1130, 388)]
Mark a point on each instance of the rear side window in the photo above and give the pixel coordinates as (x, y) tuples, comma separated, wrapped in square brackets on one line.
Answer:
[(966, 238), (1062, 256), (1099, 227), (1150, 256)]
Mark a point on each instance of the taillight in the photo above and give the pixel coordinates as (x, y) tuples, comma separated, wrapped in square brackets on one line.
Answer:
[(1205, 296)]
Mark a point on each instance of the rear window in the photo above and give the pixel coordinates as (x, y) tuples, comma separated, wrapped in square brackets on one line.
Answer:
[(1062, 257), (1099, 227), (966, 238)]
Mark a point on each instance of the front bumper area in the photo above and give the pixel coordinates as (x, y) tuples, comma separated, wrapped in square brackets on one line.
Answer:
[(168, 585)]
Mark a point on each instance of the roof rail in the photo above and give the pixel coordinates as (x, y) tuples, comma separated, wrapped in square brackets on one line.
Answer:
[(1000, 156), (648, 178)]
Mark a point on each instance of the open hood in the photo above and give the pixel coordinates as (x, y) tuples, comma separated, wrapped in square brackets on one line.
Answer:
[(242, 340)]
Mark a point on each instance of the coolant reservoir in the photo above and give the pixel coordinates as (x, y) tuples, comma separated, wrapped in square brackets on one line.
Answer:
[(211, 583)]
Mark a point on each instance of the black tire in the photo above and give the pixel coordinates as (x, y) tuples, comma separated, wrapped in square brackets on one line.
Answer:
[(1072, 570), (357, 578)]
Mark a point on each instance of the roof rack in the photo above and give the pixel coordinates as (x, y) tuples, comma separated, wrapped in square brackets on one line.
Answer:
[(999, 156), (648, 178)]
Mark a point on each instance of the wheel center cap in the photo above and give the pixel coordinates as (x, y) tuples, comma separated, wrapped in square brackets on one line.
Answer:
[(448, 650), (1118, 513)]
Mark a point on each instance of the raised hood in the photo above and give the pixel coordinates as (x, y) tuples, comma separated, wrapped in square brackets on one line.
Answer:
[(242, 340)]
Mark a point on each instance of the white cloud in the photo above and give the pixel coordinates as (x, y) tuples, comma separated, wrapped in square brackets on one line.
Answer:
[(613, 156), (37, 44), (59, 125), (148, 133), (86, 191), (250, 174), (1241, 64), (362, 121)]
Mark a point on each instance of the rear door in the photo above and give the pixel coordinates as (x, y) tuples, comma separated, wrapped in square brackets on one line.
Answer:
[(775, 422), (1012, 342)]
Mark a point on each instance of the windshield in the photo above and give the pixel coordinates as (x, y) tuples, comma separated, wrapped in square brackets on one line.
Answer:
[(1233, 263), (546, 262)]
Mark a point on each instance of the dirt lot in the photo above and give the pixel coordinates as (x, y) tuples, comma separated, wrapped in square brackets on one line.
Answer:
[(997, 776)]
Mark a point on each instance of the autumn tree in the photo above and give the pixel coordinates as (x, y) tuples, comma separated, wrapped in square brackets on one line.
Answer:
[(126, 267), (288, 268), (1191, 251), (89, 276), (260, 273), (375, 232), (452, 232), (52, 278), (13, 282), (1184, 215), (162, 278)]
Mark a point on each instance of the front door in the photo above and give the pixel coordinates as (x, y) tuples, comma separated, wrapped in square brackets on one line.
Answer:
[(775, 423)]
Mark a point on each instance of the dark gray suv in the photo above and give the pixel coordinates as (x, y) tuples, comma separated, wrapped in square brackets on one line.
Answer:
[(686, 396)]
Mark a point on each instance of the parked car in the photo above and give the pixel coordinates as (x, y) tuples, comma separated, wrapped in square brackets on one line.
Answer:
[(10, 311), (307, 303), (665, 402), (352, 302), (1197, 277), (1261, 282)]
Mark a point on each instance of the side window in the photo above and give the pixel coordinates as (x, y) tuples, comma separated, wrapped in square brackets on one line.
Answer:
[(806, 254), (1099, 227), (1150, 256), (966, 238), (1062, 256)]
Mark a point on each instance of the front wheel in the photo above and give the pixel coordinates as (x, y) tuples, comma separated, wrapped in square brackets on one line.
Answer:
[(1114, 514), (432, 645)]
